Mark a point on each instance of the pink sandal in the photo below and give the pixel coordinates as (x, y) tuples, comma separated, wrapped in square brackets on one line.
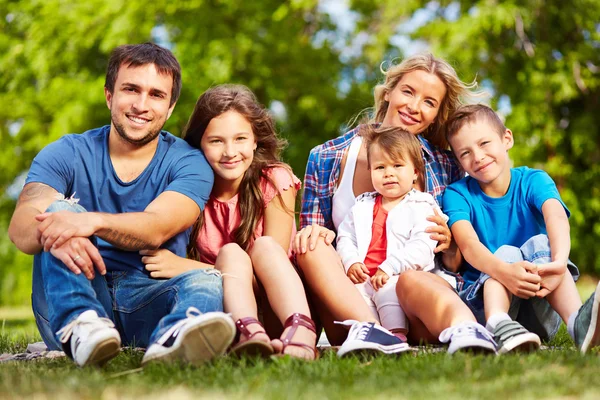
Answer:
[(251, 347), (293, 322)]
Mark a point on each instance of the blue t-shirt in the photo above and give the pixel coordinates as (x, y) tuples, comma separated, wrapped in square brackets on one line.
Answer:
[(508, 220), (79, 165)]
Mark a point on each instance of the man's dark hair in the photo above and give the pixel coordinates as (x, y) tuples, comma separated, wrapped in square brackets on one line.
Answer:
[(136, 55)]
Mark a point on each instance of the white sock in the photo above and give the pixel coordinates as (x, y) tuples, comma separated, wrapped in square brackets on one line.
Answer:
[(493, 321), (571, 324)]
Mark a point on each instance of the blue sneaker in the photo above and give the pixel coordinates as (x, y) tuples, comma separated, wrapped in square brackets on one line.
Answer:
[(367, 337), (468, 336), (585, 329)]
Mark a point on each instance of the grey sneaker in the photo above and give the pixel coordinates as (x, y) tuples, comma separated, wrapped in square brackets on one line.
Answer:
[(468, 336), (585, 330), (195, 339), (512, 336)]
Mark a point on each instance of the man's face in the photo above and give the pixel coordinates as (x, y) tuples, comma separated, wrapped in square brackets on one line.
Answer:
[(139, 105)]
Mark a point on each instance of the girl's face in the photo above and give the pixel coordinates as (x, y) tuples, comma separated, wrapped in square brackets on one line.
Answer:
[(228, 144), (415, 101), (391, 178)]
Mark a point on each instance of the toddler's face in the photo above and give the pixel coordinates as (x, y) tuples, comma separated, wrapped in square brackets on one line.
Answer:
[(481, 151), (391, 178), (228, 144)]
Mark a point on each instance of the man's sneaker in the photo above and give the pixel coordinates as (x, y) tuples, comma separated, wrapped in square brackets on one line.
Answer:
[(585, 329), (367, 337), (195, 339), (94, 340), (468, 336), (512, 336)]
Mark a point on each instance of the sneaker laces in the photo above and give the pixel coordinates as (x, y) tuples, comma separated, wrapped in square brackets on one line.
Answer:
[(465, 329), (67, 331), (173, 331), (358, 330)]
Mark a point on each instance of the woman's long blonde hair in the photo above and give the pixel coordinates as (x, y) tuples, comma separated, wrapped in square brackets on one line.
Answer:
[(456, 92), (214, 102)]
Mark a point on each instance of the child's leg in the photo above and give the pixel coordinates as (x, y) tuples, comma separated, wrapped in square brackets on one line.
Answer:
[(565, 298), (238, 294), (390, 313), (284, 290), (367, 292), (496, 300), (335, 297)]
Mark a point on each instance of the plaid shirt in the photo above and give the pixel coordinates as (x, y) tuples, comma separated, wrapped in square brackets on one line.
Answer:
[(323, 171)]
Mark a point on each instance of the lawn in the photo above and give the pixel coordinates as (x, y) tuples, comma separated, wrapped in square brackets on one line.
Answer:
[(557, 372)]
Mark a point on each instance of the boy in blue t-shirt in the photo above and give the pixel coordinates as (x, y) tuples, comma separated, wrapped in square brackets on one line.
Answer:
[(512, 229)]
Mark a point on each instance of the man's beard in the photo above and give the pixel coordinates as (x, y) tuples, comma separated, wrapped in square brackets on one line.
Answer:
[(152, 134)]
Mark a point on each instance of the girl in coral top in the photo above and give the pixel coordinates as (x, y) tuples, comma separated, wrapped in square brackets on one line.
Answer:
[(248, 224)]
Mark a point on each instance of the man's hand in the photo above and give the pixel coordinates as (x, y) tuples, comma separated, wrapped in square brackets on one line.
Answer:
[(358, 273), (552, 275), (162, 263), (520, 278), (306, 238), (379, 279), (57, 227), (80, 255)]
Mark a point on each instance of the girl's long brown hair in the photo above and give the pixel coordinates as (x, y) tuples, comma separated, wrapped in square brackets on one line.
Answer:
[(214, 102)]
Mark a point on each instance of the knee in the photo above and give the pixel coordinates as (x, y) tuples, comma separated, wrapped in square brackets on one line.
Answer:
[(265, 245), (231, 257), (65, 205), (313, 259), (408, 282)]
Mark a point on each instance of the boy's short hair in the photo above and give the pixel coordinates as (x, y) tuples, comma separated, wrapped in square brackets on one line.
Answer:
[(397, 143), (471, 113), (136, 55)]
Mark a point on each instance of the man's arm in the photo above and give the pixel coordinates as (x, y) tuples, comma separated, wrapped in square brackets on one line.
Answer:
[(34, 199), (166, 216), (520, 278)]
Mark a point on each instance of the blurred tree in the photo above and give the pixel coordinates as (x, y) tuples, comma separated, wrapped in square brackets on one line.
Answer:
[(541, 62)]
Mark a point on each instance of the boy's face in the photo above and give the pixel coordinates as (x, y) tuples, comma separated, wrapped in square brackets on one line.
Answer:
[(482, 152), (391, 178)]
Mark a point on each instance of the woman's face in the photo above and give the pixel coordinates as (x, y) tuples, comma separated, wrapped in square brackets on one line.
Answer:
[(415, 101), (228, 144)]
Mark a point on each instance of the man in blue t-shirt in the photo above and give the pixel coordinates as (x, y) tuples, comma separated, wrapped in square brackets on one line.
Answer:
[(512, 229), (93, 201)]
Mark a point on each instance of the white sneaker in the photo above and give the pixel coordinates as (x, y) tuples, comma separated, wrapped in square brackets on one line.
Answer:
[(370, 337), (468, 336), (94, 340), (195, 339)]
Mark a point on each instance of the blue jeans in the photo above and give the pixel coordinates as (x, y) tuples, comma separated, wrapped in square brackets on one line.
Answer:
[(535, 314), (141, 307)]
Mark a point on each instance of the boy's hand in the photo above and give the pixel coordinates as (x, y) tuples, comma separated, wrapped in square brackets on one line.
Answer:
[(520, 278), (552, 275), (358, 273), (379, 279)]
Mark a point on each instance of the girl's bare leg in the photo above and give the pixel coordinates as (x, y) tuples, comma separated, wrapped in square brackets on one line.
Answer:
[(565, 298), (430, 305), (324, 274), (284, 290), (238, 295), (496, 298)]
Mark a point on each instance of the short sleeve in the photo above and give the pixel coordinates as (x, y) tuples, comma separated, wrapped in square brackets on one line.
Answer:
[(192, 177), (283, 178), (455, 205), (53, 166), (541, 188)]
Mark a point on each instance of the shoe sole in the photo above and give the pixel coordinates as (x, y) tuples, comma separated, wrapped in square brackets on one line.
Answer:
[(104, 352), (373, 351), (521, 344), (592, 337), (252, 348), (199, 343)]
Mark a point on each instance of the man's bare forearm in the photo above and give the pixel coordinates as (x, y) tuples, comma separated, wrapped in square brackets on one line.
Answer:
[(126, 241)]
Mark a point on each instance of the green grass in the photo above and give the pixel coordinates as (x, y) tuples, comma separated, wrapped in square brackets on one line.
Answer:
[(560, 372)]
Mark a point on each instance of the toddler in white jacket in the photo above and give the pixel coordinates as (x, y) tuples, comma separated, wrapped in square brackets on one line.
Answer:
[(384, 234)]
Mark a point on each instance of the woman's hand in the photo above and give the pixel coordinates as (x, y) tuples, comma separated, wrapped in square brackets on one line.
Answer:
[(440, 233), (307, 237), (162, 263)]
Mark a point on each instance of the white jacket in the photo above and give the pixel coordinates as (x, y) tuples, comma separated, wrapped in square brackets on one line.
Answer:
[(408, 245)]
